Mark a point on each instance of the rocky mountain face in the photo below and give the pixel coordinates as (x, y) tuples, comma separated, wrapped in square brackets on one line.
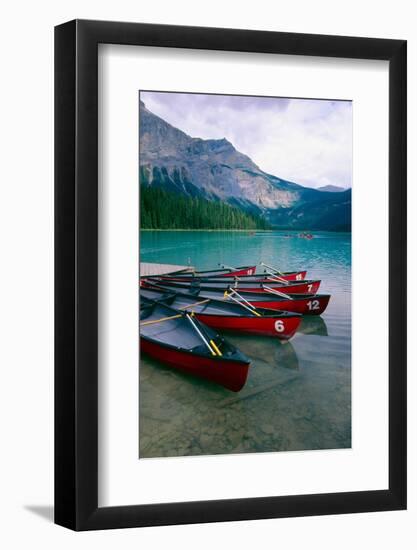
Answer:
[(215, 170)]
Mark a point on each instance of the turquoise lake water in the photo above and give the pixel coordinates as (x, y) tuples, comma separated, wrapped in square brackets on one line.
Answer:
[(298, 394)]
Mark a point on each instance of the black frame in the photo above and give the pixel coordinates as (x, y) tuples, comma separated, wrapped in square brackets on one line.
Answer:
[(76, 270)]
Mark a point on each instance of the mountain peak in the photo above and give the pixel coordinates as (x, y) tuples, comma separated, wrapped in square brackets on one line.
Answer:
[(331, 188), (218, 145)]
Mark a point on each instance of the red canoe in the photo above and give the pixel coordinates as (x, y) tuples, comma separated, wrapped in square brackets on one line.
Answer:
[(182, 342), (261, 277), (304, 304), (296, 287), (229, 315), (225, 272)]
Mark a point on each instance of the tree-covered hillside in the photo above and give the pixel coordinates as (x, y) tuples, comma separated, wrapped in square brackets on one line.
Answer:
[(160, 209), (332, 213)]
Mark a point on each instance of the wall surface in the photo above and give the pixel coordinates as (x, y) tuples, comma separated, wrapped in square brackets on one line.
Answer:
[(26, 218)]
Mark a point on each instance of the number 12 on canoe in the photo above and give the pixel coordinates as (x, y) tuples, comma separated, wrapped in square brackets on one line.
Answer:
[(313, 305)]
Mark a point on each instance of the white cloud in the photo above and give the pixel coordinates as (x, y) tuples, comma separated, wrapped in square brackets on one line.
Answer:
[(301, 140)]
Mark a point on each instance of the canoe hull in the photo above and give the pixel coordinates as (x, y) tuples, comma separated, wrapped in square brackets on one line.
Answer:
[(228, 373), (306, 305), (310, 287), (239, 272), (314, 305), (281, 327), (296, 276), (290, 276), (297, 287), (261, 278)]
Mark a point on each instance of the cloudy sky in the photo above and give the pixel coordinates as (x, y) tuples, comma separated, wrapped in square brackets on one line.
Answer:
[(302, 140)]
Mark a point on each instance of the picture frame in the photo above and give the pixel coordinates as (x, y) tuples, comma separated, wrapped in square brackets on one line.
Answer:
[(76, 274)]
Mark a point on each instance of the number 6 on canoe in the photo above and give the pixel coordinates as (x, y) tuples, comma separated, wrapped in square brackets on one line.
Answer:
[(279, 326)]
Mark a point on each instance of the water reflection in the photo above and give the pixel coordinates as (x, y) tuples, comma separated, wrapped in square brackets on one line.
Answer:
[(269, 350), (313, 325)]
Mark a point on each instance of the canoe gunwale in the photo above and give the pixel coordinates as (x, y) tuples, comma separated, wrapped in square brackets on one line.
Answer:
[(254, 296), (267, 313)]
